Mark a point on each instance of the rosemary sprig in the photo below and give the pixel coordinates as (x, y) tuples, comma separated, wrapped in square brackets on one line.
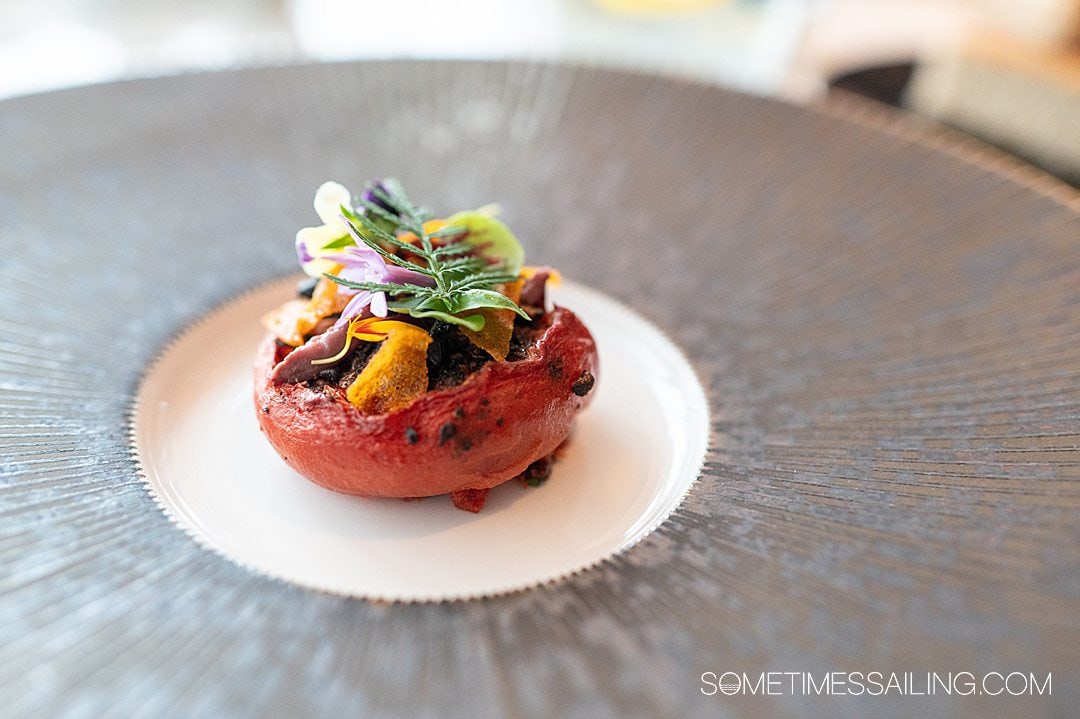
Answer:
[(463, 281)]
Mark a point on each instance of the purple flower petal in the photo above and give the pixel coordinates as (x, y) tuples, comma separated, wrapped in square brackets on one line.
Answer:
[(401, 276), (360, 254), (302, 252), (370, 196), (356, 306), (364, 264)]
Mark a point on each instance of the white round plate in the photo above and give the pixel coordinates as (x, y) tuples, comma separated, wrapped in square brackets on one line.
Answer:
[(633, 455)]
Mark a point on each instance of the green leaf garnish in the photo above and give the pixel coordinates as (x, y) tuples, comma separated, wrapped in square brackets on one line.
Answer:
[(340, 243), (491, 237), (474, 254), (480, 299), (436, 308), (472, 322)]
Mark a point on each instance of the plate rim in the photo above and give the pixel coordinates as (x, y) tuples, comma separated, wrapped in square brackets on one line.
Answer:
[(135, 408)]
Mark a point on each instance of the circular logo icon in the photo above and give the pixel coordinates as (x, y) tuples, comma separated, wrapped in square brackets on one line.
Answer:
[(730, 683)]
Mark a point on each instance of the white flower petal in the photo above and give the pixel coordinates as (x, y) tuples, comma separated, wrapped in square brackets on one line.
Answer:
[(313, 240), (378, 304), (318, 267), (328, 201), (317, 238)]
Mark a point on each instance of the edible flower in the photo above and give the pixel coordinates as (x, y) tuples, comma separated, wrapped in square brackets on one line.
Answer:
[(390, 256), (364, 264), (368, 329), (374, 193), (313, 244)]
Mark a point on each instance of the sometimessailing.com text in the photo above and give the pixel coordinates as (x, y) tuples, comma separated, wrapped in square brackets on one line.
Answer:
[(874, 683)]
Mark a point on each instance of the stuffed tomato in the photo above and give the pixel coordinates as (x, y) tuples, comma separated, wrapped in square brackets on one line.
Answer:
[(420, 357)]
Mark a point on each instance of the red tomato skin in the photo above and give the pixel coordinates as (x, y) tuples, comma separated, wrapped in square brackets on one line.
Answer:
[(477, 435)]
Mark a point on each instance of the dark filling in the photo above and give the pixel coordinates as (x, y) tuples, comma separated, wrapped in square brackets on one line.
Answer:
[(338, 376), (538, 472), (451, 356)]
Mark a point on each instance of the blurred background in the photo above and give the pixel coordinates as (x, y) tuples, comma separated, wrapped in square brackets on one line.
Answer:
[(1006, 71)]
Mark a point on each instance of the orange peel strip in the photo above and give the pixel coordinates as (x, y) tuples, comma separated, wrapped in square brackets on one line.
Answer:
[(294, 320), (494, 337), (396, 374)]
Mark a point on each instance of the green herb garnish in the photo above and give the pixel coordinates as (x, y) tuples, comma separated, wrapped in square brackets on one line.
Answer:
[(465, 260)]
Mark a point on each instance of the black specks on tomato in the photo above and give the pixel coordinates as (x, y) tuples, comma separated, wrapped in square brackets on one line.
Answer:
[(583, 384), (447, 432)]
